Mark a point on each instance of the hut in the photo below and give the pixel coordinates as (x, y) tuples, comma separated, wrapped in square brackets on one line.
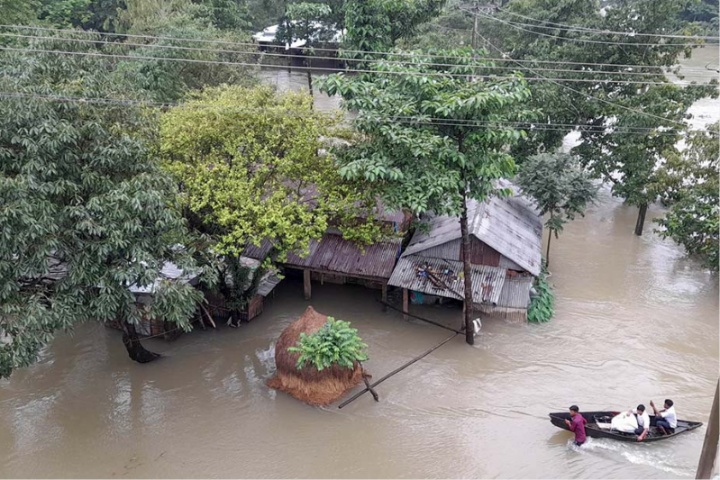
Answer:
[(151, 326), (309, 384), (334, 259), (506, 241)]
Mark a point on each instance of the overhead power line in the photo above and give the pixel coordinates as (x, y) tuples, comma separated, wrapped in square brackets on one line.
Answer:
[(602, 100), (407, 119), (335, 50), (582, 40), (562, 26), (335, 70), (366, 61)]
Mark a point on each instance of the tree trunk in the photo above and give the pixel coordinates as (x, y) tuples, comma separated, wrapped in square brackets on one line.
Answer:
[(467, 274), (641, 219), (710, 445), (135, 350), (547, 253), (308, 64), (474, 32)]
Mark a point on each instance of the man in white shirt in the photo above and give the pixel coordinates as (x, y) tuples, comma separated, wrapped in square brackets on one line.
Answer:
[(643, 420), (667, 420)]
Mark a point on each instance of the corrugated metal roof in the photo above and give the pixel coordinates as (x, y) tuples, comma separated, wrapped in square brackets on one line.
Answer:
[(335, 254), (268, 282), (258, 252), (487, 282), (169, 271), (509, 225)]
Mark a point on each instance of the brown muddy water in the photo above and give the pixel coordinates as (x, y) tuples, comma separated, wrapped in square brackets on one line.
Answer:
[(635, 321)]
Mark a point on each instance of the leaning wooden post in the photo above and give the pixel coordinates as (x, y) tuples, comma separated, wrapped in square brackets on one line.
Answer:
[(307, 288), (406, 307), (710, 446), (384, 296)]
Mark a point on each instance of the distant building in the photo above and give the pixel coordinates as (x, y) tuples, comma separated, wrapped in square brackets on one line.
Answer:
[(506, 241), (267, 38)]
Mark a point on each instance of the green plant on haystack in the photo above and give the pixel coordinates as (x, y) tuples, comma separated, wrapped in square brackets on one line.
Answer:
[(334, 343), (542, 305)]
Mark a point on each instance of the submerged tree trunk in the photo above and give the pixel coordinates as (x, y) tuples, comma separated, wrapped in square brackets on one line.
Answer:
[(547, 253), (641, 219), (135, 350), (467, 273)]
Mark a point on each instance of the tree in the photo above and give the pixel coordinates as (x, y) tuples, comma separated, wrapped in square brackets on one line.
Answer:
[(421, 148), (169, 81), (85, 209), (560, 187), (609, 113), (248, 164), (17, 11), (692, 182), (307, 21), (375, 25)]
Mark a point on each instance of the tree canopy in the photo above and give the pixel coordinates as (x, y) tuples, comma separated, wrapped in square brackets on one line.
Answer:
[(86, 211), (248, 163), (692, 182), (432, 140), (560, 187)]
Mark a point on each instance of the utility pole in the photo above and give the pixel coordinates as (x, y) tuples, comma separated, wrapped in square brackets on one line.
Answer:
[(710, 445)]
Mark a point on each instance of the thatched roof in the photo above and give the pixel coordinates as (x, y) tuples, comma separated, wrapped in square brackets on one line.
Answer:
[(308, 384)]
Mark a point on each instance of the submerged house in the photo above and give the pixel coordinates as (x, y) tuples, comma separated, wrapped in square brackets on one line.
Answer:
[(506, 241), (334, 259)]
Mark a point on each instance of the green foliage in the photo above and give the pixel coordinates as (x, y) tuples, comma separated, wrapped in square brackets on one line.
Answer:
[(334, 344), (85, 210), (691, 179), (252, 171), (375, 25), (16, 12), (434, 164), (559, 185), (627, 160), (169, 81), (542, 306)]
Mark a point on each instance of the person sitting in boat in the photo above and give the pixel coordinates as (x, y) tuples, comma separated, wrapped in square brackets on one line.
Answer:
[(643, 421), (577, 425), (667, 420)]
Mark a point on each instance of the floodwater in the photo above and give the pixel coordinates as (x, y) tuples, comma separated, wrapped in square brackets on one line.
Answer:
[(635, 321)]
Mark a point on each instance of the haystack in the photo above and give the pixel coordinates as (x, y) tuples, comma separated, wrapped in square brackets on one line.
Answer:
[(308, 384)]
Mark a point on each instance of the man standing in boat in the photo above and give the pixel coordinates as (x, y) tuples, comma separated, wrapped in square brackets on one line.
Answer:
[(643, 420), (666, 418), (577, 425)]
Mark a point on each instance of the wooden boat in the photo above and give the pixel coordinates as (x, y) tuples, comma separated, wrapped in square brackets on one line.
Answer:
[(598, 426)]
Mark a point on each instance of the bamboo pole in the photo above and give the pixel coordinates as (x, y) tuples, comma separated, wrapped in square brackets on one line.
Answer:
[(710, 445), (397, 370)]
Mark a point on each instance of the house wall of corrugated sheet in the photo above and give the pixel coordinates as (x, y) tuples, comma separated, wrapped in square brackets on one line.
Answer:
[(516, 292)]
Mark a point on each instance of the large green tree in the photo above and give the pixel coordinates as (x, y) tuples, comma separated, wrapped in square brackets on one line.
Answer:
[(691, 187), (248, 163), (560, 187), (307, 22), (85, 210), (191, 64), (422, 146), (375, 25), (642, 120)]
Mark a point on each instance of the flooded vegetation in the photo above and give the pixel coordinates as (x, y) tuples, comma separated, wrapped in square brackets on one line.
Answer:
[(204, 411)]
